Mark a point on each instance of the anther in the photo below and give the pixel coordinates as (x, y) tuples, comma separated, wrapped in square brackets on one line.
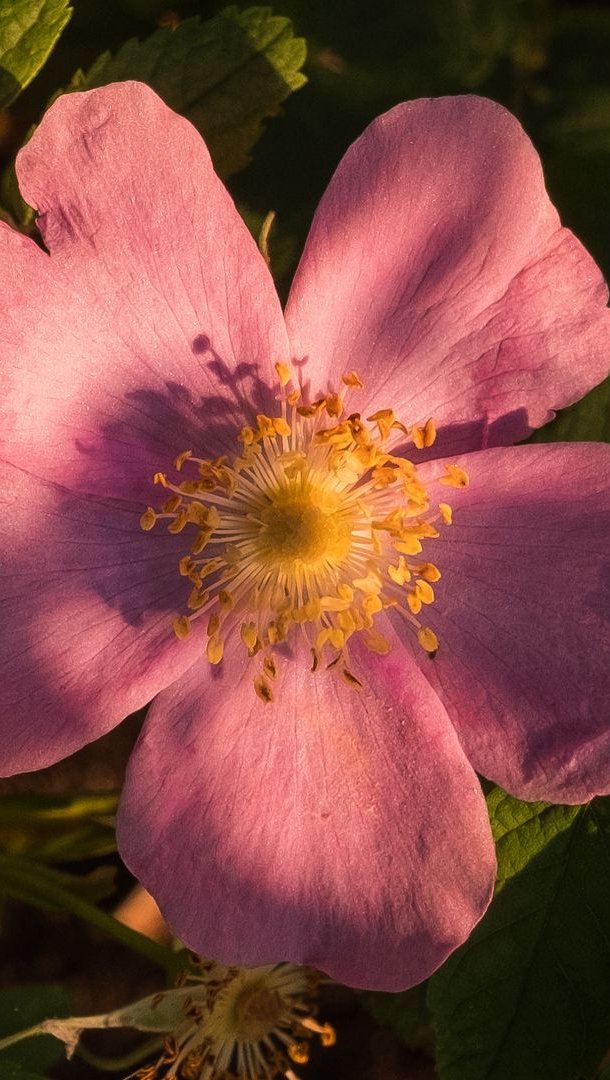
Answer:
[(428, 640), (423, 435), (263, 690), (327, 1033), (428, 571), (333, 405), (299, 1052), (454, 477), (215, 649), (249, 634), (270, 667), (148, 519), (180, 460), (182, 626), (284, 373)]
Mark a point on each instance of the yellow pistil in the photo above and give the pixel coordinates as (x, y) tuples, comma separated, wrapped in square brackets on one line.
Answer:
[(310, 531)]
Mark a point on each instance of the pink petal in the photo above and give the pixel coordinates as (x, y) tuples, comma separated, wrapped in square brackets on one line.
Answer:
[(336, 828), (523, 619), (87, 605), (154, 324), (436, 267)]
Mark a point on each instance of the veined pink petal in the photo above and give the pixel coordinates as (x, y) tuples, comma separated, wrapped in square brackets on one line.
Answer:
[(153, 323), (437, 268), (336, 828), (523, 618), (87, 602)]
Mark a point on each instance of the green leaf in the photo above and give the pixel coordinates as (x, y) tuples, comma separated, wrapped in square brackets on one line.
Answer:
[(22, 1007), (225, 75), (527, 995), (28, 31), (58, 828), (587, 420)]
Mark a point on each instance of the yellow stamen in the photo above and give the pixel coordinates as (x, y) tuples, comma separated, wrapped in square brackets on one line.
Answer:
[(428, 571), (249, 635), (284, 373), (377, 643), (148, 519), (327, 1033), (215, 649), (425, 592), (455, 477), (427, 639), (281, 427), (429, 433), (299, 1052), (269, 667), (180, 460), (309, 532), (414, 601), (384, 419), (263, 690), (246, 436), (333, 405), (182, 626), (424, 435)]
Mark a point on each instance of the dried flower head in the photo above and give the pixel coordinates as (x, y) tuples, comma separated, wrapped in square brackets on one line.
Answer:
[(245, 1024)]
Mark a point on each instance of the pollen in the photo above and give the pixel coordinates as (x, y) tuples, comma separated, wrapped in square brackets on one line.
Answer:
[(311, 531)]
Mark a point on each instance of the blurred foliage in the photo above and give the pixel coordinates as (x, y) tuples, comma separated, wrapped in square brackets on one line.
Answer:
[(28, 31), (22, 1007), (34, 883), (58, 828), (12, 1071)]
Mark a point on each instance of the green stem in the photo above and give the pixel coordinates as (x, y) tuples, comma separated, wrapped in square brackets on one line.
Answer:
[(118, 1064), (10, 1040), (24, 883)]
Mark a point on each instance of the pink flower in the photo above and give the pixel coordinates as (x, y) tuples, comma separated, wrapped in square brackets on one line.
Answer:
[(276, 813)]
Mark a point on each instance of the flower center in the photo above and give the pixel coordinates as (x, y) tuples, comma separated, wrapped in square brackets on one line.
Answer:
[(314, 528), (257, 1011), (250, 1024), (299, 527)]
